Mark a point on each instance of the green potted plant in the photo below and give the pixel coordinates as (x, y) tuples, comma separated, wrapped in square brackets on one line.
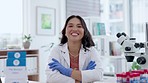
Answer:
[(26, 41)]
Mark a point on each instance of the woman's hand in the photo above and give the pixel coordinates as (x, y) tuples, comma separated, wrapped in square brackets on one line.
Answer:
[(76, 81), (91, 65), (55, 65)]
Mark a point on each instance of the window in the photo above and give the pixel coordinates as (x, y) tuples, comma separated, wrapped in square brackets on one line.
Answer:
[(83, 7), (10, 23), (138, 18)]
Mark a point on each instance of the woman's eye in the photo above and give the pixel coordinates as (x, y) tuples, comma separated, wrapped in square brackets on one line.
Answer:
[(79, 26), (70, 26)]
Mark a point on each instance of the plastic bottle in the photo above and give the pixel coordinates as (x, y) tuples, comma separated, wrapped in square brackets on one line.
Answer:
[(136, 78), (131, 78), (127, 77), (119, 78), (124, 78), (142, 76), (146, 75)]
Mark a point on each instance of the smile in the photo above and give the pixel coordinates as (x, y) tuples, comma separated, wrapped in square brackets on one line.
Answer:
[(74, 34)]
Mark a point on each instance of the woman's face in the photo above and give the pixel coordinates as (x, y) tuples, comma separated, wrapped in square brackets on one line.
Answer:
[(74, 30)]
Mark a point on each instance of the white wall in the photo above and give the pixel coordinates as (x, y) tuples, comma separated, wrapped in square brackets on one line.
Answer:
[(11, 16), (38, 40)]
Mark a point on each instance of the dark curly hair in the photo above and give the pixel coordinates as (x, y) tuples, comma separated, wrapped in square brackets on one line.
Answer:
[(86, 40)]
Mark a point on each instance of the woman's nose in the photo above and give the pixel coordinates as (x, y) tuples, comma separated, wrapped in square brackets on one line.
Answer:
[(74, 28)]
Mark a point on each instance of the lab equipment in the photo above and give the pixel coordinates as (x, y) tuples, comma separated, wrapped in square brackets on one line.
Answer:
[(135, 76), (0, 80), (131, 49), (119, 78)]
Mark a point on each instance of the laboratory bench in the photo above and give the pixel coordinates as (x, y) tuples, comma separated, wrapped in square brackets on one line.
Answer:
[(106, 79), (3, 80)]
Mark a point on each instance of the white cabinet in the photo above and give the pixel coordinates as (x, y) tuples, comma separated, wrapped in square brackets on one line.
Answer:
[(32, 61)]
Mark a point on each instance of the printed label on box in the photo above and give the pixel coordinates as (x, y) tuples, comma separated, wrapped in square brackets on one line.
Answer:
[(21, 54), (16, 62)]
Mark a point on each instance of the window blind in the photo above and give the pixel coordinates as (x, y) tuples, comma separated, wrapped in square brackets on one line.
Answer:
[(82, 7)]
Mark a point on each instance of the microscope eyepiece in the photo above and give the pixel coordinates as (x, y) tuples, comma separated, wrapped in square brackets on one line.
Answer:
[(123, 34), (118, 35), (141, 45), (137, 45)]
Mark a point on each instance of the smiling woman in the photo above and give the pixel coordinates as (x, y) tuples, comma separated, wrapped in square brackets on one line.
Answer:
[(11, 23), (74, 60)]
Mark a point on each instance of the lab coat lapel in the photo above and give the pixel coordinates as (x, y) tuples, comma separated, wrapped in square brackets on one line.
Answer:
[(82, 55), (65, 53), (82, 58)]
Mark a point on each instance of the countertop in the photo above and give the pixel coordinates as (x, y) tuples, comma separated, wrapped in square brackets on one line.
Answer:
[(3, 80), (106, 79)]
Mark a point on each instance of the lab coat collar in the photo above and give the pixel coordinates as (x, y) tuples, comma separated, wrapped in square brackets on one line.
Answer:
[(64, 48), (82, 58), (65, 53), (82, 55)]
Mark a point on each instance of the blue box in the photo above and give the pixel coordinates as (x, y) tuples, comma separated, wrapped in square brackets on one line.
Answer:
[(21, 54), (16, 62)]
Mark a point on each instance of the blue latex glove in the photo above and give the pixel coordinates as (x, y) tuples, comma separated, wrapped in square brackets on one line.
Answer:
[(55, 65), (91, 65)]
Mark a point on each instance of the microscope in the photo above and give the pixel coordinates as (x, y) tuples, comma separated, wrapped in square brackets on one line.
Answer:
[(131, 49)]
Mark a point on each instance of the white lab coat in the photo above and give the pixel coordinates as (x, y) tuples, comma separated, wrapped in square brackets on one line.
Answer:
[(62, 55)]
